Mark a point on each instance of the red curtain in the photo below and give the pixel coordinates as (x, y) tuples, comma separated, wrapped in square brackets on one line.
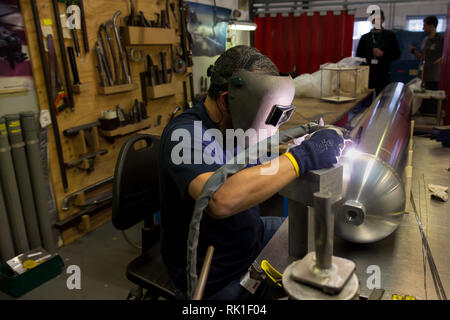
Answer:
[(305, 41), (445, 70)]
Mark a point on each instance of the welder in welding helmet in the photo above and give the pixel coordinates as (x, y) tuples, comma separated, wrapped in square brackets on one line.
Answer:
[(263, 102), (259, 103), (246, 92)]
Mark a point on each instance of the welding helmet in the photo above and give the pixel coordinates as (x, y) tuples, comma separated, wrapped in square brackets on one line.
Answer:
[(259, 101)]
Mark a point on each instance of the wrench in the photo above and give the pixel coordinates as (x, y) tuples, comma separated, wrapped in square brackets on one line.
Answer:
[(109, 24), (107, 66), (126, 73)]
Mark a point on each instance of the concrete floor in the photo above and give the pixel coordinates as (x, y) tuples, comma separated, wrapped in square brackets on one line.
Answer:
[(103, 254), (431, 165)]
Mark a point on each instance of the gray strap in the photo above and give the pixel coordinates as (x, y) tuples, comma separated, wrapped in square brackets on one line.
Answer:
[(18, 145)]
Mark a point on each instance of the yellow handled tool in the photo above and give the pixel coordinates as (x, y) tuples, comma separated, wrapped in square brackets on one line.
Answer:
[(271, 272)]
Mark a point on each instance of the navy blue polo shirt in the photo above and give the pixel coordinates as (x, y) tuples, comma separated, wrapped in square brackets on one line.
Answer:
[(237, 240)]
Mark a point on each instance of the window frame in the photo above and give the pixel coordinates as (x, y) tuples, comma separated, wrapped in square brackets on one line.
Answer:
[(422, 17)]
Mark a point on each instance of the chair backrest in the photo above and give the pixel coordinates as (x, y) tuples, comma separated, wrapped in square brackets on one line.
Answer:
[(135, 187)]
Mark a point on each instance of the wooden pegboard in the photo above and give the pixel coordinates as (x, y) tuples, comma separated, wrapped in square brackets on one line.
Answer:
[(90, 103)]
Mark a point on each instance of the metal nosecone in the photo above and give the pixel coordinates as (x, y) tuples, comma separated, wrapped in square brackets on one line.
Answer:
[(374, 197)]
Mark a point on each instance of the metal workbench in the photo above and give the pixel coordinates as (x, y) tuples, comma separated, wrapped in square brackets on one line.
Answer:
[(399, 256)]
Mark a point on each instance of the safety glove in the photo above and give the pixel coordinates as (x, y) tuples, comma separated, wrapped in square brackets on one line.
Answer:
[(320, 150)]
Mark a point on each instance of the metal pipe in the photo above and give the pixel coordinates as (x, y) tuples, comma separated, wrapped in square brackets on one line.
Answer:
[(50, 98), (62, 48), (83, 27), (11, 192), (198, 294), (323, 229), (23, 180), (30, 132), (6, 242), (373, 193)]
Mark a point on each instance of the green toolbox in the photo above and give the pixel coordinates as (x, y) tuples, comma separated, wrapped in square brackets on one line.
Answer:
[(31, 275)]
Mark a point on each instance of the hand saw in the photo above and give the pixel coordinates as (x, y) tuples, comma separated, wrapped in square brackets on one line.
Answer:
[(60, 101)]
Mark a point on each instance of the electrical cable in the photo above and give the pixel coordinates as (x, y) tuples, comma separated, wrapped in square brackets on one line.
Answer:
[(424, 254), (131, 243), (238, 163)]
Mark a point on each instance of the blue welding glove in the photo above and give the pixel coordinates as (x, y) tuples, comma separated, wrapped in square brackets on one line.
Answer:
[(320, 151)]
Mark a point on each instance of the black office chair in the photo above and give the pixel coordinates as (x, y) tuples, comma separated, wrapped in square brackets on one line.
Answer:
[(136, 198)]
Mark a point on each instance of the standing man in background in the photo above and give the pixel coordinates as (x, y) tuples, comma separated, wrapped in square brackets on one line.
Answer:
[(430, 56), (379, 47)]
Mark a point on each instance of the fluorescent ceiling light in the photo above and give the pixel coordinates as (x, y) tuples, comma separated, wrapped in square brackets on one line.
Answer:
[(242, 25)]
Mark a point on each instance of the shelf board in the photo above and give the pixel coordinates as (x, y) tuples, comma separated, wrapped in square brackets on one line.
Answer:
[(129, 128), (118, 89), (161, 91)]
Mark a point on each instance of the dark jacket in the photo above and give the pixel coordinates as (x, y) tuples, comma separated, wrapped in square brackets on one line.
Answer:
[(387, 42)]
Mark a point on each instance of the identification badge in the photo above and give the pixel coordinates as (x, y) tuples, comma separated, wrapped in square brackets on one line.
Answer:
[(374, 61), (250, 284)]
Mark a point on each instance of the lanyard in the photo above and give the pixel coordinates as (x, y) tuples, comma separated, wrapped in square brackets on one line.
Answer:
[(424, 64), (376, 42)]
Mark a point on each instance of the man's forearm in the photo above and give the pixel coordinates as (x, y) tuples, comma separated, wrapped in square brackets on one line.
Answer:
[(250, 187)]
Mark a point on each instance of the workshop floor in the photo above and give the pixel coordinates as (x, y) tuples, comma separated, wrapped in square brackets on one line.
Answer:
[(431, 165), (103, 254)]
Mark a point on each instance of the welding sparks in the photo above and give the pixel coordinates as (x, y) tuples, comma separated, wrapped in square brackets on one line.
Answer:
[(351, 152)]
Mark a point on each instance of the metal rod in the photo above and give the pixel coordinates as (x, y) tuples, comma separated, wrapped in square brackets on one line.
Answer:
[(109, 24), (50, 98), (76, 43), (23, 180), (73, 65), (191, 87), (106, 65), (30, 132), (122, 55), (323, 229), (83, 27), (199, 290), (62, 50), (67, 200), (440, 292)]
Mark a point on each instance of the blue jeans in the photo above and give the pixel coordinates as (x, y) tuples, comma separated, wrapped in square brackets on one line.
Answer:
[(234, 290)]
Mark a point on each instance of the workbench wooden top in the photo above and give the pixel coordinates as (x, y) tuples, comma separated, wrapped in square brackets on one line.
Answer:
[(307, 110), (311, 109)]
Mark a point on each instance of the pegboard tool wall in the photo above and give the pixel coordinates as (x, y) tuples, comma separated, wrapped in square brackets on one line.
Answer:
[(90, 103)]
